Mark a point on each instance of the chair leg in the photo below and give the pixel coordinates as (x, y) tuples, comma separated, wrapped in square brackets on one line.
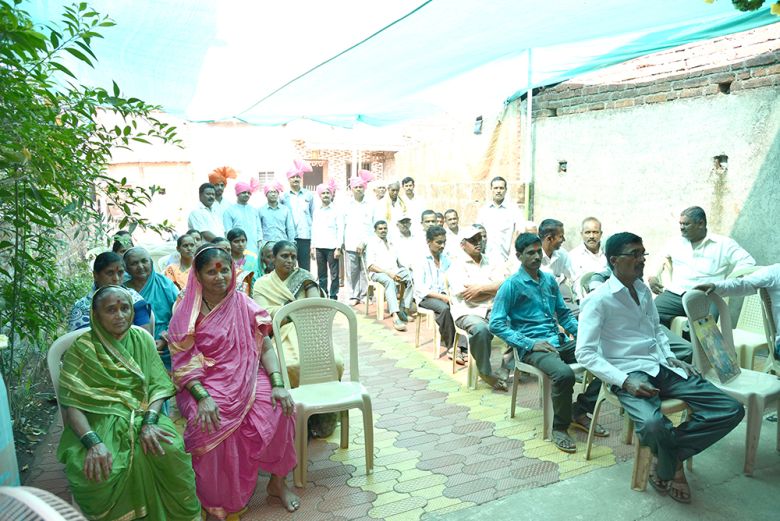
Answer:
[(778, 426), (301, 442), (515, 385), (345, 429), (628, 429), (369, 294), (547, 408), (471, 374), (436, 343), (596, 410), (755, 412), (368, 432), (643, 456), (380, 305), (417, 335), (454, 352)]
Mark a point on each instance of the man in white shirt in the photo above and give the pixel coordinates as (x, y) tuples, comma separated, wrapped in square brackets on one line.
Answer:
[(218, 177), (556, 261), (407, 246), (383, 267), (414, 203), (205, 218), (502, 220), (620, 341), (327, 237), (358, 227), (452, 225), (588, 257), (696, 257), (391, 207), (473, 286)]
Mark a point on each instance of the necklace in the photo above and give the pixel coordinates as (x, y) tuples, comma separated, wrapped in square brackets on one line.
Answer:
[(209, 306)]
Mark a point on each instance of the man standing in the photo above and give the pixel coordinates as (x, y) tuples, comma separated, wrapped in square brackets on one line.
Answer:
[(414, 203), (391, 207), (527, 313), (301, 204), (588, 257), (241, 215), (205, 218), (473, 284), (452, 223), (358, 227), (501, 221), (430, 288), (384, 268), (696, 257), (622, 343), (327, 236), (276, 220), (218, 177)]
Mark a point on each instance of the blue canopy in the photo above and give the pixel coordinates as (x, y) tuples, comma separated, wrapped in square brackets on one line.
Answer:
[(268, 63)]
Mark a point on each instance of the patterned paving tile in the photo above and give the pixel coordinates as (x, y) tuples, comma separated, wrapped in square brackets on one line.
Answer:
[(346, 501), (440, 461), (397, 507), (424, 481), (486, 466), (469, 487)]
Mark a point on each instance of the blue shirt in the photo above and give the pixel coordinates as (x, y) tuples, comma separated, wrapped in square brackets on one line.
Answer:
[(276, 223), (428, 278), (524, 311), (301, 205), (248, 219)]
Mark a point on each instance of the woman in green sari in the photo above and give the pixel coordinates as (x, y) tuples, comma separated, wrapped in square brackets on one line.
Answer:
[(123, 459)]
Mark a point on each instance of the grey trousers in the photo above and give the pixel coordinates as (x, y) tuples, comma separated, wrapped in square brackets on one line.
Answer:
[(480, 338), (390, 289), (715, 414), (356, 276), (556, 367), (443, 316)]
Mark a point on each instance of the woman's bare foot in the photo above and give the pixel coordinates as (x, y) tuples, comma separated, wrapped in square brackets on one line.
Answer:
[(277, 487), (678, 487)]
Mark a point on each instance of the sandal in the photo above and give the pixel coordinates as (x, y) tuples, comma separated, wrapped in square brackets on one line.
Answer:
[(660, 485), (583, 424), (563, 441), (679, 490)]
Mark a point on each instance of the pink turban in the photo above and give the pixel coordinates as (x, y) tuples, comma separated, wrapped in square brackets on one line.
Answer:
[(330, 187), (362, 179), (322, 187), (221, 175), (274, 185), (250, 187), (300, 167)]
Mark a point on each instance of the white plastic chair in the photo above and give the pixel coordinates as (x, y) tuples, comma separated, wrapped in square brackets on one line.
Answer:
[(34, 504), (750, 334), (320, 390), (377, 289), (773, 364), (54, 357), (755, 390), (473, 373), (430, 320)]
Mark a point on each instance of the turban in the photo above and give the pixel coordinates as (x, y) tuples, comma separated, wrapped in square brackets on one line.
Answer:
[(362, 179), (221, 175), (274, 185), (322, 187), (250, 187), (299, 167)]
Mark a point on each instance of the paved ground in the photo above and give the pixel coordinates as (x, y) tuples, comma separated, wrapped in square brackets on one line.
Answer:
[(439, 448)]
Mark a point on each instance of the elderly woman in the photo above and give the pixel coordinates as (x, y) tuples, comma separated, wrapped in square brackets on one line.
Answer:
[(157, 290), (178, 272), (239, 415), (123, 459), (267, 257), (244, 260), (109, 269)]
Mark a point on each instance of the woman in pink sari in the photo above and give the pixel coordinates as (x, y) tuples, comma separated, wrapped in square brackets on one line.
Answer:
[(239, 415)]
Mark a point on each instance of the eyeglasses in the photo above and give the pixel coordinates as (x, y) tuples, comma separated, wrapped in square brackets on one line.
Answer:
[(635, 254)]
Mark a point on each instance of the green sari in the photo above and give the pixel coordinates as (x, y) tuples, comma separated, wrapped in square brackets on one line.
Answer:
[(113, 382)]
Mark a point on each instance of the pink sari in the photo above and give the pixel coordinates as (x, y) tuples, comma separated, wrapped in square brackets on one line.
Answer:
[(222, 351)]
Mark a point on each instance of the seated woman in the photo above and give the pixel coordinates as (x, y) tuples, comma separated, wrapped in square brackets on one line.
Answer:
[(157, 290), (244, 260), (109, 270), (123, 459), (221, 243), (239, 415), (286, 284), (267, 257), (179, 271)]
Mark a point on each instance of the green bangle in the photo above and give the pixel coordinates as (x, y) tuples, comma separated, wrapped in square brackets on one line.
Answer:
[(199, 392), (150, 418), (276, 379), (90, 439)]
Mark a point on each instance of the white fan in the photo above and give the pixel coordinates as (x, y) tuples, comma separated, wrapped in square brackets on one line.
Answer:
[(34, 504)]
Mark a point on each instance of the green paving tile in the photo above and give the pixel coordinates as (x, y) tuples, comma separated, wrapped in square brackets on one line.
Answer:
[(376, 477), (439, 503), (397, 507), (389, 497), (380, 488), (422, 482), (411, 515)]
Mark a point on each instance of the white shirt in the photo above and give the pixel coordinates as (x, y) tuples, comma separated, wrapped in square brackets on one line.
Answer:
[(616, 337), (710, 261), (500, 221), (327, 228), (452, 246), (558, 264), (767, 277), (584, 261), (463, 272), (207, 219), (358, 223), (381, 254), (386, 210), (409, 249)]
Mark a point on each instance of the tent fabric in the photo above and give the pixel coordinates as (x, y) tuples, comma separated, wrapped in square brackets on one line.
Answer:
[(379, 63)]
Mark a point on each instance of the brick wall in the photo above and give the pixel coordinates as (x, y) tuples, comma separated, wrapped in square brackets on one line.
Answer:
[(336, 161)]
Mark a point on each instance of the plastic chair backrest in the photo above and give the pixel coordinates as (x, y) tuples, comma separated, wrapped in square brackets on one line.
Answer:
[(769, 321), (585, 282), (751, 317), (697, 305), (313, 319), (54, 357)]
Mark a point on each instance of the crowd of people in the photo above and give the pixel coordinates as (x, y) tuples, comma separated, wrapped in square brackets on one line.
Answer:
[(207, 309)]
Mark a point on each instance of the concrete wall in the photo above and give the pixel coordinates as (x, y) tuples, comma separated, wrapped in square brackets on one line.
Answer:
[(635, 168)]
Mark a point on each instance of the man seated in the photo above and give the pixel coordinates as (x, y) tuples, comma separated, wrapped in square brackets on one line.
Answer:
[(622, 343), (589, 256), (696, 257), (473, 284), (556, 261), (526, 314), (430, 287), (383, 267)]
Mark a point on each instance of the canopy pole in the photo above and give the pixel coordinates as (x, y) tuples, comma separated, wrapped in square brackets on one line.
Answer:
[(529, 176)]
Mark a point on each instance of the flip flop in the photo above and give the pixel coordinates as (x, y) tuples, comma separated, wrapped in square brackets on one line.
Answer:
[(564, 442), (680, 490), (583, 424), (660, 485)]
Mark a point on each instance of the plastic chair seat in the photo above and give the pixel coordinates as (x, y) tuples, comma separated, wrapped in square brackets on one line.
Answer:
[(430, 320), (747, 345), (327, 397)]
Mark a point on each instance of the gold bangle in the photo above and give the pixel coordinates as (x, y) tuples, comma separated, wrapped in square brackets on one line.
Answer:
[(276, 379)]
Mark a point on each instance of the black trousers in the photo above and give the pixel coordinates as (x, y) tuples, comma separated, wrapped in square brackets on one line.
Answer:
[(327, 262), (443, 316), (304, 253)]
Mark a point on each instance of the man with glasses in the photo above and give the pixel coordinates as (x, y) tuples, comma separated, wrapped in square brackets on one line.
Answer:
[(528, 314), (621, 342), (696, 257)]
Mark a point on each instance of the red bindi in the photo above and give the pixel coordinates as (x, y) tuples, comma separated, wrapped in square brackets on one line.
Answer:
[(218, 265)]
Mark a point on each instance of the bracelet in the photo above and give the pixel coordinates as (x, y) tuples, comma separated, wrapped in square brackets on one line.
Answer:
[(276, 379), (90, 439), (199, 392), (150, 418)]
